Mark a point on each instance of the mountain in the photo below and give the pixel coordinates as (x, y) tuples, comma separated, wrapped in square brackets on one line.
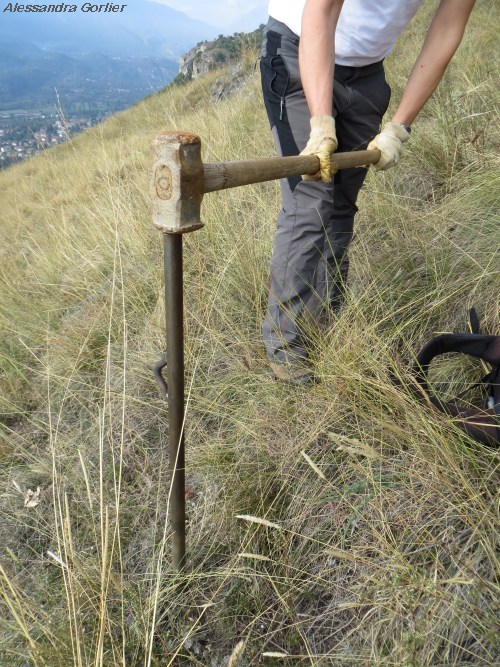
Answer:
[(30, 77), (110, 60), (143, 28)]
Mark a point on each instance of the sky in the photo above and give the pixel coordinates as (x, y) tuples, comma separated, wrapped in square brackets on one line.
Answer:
[(220, 13)]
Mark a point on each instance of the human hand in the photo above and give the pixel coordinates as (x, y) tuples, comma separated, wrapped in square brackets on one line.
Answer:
[(390, 144), (322, 142)]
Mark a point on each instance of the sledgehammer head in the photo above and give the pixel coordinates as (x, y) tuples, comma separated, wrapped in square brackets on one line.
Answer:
[(176, 182)]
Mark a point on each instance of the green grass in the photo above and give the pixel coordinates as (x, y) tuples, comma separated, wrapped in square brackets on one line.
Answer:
[(373, 529)]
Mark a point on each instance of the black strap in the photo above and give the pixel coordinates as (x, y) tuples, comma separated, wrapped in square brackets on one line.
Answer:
[(475, 345), (482, 425)]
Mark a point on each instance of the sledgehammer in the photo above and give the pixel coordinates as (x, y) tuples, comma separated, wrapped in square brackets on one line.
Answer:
[(178, 181)]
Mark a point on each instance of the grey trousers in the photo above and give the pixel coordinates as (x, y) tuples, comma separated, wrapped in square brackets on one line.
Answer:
[(315, 225)]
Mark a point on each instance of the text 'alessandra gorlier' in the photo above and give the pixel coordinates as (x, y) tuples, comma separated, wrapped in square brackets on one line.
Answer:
[(57, 9)]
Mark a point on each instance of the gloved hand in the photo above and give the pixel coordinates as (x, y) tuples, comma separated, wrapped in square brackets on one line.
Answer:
[(322, 142), (390, 144)]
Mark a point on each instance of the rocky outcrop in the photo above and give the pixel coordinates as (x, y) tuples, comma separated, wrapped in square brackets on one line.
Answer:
[(210, 55), (231, 81), (205, 57)]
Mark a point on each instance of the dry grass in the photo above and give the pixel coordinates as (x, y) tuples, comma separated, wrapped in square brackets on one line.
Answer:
[(344, 524)]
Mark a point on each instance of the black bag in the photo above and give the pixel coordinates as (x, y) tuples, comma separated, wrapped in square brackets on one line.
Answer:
[(482, 424)]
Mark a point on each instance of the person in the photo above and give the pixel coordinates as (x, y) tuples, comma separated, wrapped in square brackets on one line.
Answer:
[(324, 89)]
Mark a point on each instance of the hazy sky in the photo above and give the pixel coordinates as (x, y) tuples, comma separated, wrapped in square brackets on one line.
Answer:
[(224, 13)]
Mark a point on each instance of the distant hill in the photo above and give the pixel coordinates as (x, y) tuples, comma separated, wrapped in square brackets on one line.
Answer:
[(29, 78), (108, 59), (144, 28)]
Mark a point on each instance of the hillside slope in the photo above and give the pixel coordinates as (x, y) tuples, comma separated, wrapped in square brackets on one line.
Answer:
[(374, 538)]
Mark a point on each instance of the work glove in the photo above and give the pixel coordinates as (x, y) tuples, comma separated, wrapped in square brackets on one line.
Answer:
[(390, 144), (322, 142)]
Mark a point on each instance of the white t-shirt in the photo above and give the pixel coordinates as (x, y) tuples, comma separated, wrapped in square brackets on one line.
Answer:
[(366, 30)]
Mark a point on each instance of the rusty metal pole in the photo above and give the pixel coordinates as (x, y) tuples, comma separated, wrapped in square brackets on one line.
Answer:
[(176, 209), (173, 391), (174, 313)]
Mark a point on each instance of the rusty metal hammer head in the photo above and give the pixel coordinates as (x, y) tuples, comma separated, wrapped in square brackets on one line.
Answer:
[(176, 182)]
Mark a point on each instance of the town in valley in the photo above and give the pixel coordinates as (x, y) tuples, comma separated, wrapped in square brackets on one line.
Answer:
[(24, 134)]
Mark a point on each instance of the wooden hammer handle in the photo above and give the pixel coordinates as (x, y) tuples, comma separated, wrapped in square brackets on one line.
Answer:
[(223, 175)]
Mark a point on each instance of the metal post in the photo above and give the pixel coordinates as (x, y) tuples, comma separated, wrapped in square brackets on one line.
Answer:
[(175, 379)]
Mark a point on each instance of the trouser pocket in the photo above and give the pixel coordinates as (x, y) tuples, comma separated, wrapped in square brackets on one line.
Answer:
[(275, 78)]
